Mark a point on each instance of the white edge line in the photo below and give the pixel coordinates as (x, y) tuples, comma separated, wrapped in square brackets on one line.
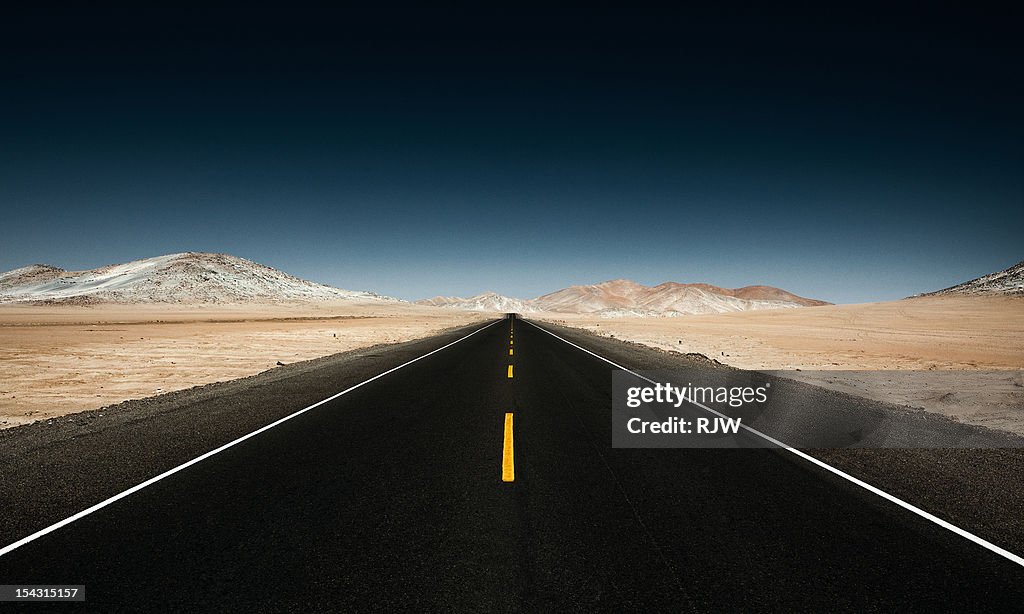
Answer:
[(820, 463), (102, 504)]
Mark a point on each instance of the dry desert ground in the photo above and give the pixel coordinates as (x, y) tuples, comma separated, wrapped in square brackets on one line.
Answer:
[(958, 356), (961, 356), (59, 360)]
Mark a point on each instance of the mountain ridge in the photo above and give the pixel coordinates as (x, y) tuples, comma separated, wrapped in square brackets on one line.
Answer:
[(213, 278), (623, 297)]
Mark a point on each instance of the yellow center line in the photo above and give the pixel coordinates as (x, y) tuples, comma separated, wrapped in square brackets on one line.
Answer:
[(510, 351), (508, 465), (510, 371)]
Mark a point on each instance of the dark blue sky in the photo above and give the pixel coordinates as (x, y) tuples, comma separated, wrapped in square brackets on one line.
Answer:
[(858, 155)]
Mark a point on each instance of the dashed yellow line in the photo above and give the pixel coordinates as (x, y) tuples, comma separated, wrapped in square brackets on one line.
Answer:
[(508, 465)]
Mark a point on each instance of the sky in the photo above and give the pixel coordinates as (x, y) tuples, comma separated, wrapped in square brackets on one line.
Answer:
[(849, 155)]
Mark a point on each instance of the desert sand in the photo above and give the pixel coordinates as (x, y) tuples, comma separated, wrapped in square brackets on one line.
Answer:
[(59, 360), (960, 356)]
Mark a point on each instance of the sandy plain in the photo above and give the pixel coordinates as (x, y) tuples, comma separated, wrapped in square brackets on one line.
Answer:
[(958, 356), (962, 357), (56, 360)]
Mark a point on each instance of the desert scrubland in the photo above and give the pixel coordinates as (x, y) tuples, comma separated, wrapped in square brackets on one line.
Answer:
[(56, 360), (960, 356)]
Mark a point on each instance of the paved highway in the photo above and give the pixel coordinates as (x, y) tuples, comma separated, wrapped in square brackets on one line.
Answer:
[(481, 477)]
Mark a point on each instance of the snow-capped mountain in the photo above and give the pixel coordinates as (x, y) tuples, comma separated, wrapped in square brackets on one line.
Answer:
[(488, 301), (188, 278), (1007, 282), (622, 297)]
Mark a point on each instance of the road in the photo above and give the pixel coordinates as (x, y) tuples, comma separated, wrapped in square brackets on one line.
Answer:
[(398, 495)]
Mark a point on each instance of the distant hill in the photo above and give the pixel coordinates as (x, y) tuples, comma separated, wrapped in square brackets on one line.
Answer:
[(625, 297), (622, 297), (186, 278), (1008, 282), (488, 301)]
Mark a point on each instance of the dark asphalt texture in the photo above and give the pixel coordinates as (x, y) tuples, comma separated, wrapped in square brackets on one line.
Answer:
[(390, 499)]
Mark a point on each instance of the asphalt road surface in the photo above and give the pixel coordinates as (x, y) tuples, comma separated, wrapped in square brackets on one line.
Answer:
[(417, 491)]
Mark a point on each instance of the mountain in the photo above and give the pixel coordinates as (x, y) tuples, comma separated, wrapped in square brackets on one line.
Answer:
[(488, 301), (1009, 282), (187, 278), (205, 278), (622, 297), (625, 297), (616, 294)]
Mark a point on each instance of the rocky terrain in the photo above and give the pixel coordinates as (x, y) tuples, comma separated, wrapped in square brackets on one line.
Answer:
[(1009, 282)]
